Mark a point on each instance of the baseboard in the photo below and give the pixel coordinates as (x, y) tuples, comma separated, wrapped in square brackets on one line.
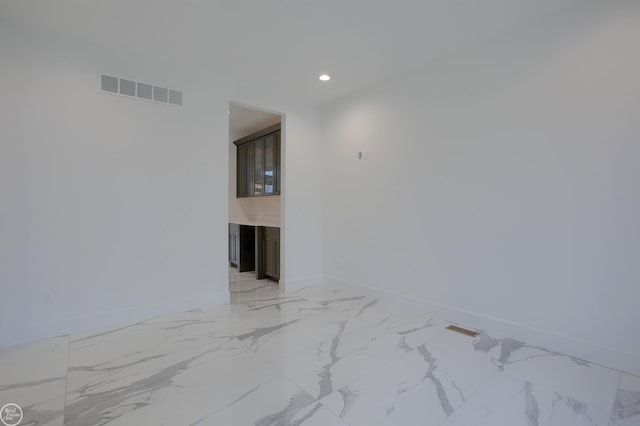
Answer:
[(118, 316), (588, 351)]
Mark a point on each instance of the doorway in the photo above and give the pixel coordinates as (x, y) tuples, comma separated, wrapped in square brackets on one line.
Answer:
[(255, 200)]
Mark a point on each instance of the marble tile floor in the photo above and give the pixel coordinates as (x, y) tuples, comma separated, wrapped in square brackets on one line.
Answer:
[(317, 356)]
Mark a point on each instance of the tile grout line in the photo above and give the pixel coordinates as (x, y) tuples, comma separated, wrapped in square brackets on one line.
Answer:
[(66, 381), (615, 398)]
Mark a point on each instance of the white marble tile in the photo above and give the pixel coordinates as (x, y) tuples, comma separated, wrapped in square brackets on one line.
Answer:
[(416, 389), (265, 303), (506, 401), (235, 276), (342, 359), (267, 292), (419, 330), (182, 326), (340, 298), (378, 310), (252, 285), (147, 386), (278, 402), (589, 383), (317, 356), (626, 410), (274, 342), (33, 376)]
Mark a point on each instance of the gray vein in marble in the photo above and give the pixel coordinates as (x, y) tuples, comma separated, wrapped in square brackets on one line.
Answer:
[(428, 324), (576, 406), (106, 333), (262, 287), (308, 415), (348, 400), (368, 305), (508, 347), (28, 384), (442, 395), (235, 401), (460, 392), (181, 325), (627, 405), (326, 303), (284, 418), (265, 331), (485, 343), (102, 367), (531, 405), (94, 409), (33, 416), (402, 344), (278, 303), (325, 384)]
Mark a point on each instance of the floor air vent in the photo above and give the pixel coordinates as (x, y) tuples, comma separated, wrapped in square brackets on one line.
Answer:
[(461, 330)]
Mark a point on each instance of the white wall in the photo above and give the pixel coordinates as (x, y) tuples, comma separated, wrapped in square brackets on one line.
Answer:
[(113, 209), (502, 186)]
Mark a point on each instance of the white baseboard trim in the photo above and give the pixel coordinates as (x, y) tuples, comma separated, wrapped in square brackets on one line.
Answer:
[(588, 351), (119, 316)]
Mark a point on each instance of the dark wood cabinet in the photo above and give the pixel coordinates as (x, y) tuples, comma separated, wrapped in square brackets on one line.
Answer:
[(268, 252), (234, 244), (255, 248), (242, 247), (258, 163)]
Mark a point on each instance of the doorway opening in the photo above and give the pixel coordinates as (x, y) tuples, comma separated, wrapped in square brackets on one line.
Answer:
[(256, 139)]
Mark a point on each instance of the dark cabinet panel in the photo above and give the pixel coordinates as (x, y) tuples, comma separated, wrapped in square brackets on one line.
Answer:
[(241, 172), (269, 164), (268, 252), (247, 260), (234, 244), (258, 167), (242, 244), (278, 161), (250, 170), (258, 164)]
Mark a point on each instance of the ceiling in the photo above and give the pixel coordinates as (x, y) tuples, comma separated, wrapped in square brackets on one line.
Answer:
[(285, 44)]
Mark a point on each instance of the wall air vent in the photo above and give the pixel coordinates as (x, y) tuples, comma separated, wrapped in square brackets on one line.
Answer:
[(461, 330), (138, 90)]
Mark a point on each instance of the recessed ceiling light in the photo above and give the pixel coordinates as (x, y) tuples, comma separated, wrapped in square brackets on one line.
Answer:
[(325, 77)]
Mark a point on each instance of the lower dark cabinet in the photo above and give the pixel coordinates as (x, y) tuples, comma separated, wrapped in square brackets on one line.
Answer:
[(234, 244), (255, 248), (242, 247), (268, 252)]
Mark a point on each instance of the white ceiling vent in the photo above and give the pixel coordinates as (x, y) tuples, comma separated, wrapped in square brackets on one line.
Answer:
[(138, 90)]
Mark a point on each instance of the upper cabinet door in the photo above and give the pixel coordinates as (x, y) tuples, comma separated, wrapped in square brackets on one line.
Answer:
[(241, 172), (278, 161), (258, 163), (258, 181), (250, 191), (269, 165)]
